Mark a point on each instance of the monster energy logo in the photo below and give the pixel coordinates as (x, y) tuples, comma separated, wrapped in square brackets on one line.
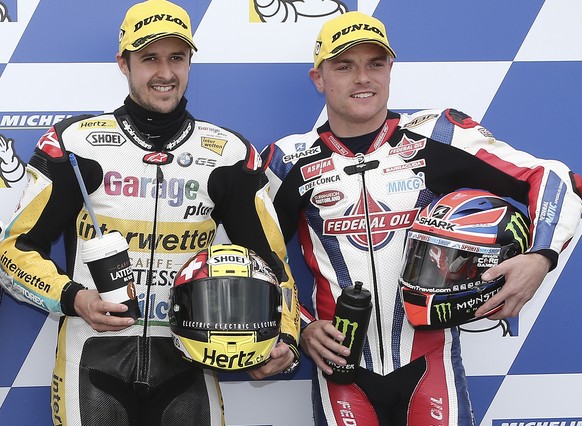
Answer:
[(519, 229), (348, 329), (443, 310)]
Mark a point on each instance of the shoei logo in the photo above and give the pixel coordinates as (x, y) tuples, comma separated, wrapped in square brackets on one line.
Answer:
[(348, 329), (229, 259), (105, 139), (443, 311)]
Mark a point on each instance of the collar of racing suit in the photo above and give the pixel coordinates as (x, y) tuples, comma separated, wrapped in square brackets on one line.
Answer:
[(158, 127)]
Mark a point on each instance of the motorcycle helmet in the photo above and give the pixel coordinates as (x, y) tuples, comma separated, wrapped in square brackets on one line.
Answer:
[(225, 309), (452, 242)]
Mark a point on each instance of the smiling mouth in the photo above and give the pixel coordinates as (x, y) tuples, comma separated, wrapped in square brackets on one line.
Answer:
[(362, 95), (162, 89)]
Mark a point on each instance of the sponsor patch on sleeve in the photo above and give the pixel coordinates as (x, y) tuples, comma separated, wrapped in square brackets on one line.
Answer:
[(50, 145)]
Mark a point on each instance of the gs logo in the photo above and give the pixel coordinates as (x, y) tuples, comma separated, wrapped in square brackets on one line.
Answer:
[(210, 162)]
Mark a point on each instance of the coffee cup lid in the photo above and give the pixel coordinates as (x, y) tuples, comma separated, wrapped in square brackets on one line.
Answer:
[(106, 246)]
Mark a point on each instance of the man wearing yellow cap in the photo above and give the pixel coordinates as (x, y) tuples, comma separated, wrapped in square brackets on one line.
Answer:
[(351, 189), (165, 181)]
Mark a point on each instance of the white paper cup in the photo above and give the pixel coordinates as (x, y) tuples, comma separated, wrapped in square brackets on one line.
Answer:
[(108, 262)]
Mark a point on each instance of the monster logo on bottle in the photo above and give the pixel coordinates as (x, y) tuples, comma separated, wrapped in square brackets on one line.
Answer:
[(352, 315)]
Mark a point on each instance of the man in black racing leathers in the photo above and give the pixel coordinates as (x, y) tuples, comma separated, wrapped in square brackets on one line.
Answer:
[(165, 181)]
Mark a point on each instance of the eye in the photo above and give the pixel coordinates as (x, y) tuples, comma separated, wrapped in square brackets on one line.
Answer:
[(343, 67)]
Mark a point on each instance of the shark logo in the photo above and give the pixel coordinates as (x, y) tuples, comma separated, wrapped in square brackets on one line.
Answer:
[(443, 311)]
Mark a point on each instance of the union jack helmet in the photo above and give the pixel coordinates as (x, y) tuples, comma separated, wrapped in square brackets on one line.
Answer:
[(452, 242)]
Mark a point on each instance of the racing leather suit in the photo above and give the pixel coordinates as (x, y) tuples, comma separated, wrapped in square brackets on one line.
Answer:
[(168, 204), (420, 156)]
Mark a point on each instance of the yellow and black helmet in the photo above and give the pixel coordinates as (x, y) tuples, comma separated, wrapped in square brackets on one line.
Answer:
[(225, 309)]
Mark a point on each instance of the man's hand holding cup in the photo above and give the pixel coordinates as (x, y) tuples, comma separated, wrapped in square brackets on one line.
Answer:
[(113, 306)]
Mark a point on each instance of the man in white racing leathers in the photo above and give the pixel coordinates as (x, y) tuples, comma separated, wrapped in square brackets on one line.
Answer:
[(165, 181), (396, 163)]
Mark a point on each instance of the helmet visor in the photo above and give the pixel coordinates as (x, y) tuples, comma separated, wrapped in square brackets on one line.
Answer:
[(226, 303), (442, 265)]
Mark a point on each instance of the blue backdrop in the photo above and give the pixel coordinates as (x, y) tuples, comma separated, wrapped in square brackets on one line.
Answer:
[(515, 66)]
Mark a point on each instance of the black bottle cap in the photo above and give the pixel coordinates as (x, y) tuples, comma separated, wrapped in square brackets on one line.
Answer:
[(357, 295)]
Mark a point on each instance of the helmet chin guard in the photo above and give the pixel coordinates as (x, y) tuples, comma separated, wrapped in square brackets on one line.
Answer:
[(225, 309), (453, 241)]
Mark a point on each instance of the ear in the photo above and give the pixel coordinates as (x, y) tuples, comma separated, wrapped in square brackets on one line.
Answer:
[(122, 64), (316, 77)]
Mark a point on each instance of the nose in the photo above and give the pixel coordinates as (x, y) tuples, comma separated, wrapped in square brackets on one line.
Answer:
[(164, 70), (362, 75)]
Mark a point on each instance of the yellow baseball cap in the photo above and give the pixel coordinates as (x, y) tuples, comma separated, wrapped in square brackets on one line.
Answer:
[(347, 30), (153, 20)]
